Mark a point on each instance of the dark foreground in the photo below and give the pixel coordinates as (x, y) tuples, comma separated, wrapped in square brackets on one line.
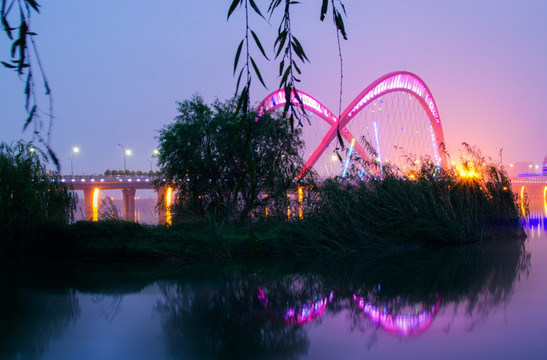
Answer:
[(481, 300)]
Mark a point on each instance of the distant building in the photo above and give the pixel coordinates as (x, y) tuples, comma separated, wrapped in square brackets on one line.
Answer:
[(527, 169)]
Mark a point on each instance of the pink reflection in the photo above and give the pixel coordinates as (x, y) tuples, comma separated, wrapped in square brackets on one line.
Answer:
[(307, 312), (398, 324), (299, 314)]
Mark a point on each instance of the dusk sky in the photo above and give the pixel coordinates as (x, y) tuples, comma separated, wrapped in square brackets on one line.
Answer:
[(117, 68)]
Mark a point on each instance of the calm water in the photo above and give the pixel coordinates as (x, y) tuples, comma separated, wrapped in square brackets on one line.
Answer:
[(459, 303)]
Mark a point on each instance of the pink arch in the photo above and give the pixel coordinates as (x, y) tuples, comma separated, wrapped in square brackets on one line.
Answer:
[(277, 99), (395, 81)]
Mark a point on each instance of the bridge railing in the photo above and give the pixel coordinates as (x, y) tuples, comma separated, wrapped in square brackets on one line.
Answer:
[(108, 178)]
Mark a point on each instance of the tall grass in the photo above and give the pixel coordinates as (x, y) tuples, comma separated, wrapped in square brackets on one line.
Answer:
[(421, 204)]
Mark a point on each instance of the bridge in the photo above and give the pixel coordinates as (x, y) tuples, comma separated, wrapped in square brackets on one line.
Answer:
[(394, 121), (396, 117), (91, 185)]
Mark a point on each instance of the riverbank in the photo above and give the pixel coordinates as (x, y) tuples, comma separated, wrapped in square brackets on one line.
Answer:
[(122, 241)]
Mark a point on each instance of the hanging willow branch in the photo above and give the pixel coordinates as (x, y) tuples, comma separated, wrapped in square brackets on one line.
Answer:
[(23, 56), (288, 51)]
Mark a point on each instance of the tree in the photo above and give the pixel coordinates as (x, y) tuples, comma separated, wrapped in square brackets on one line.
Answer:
[(227, 166), (29, 196)]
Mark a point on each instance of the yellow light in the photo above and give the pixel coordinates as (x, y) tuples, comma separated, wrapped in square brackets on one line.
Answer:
[(32, 149), (128, 152), (505, 188), (288, 212), (75, 150), (522, 208), (511, 165), (156, 152), (334, 157), (300, 203), (168, 215), (95, 210), (545, 200), (412, 176)]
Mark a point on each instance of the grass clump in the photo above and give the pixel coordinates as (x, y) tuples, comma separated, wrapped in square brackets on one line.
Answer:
[(423, 204)]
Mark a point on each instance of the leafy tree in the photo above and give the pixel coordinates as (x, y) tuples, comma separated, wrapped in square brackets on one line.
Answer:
[(29, 196), (228, 166)]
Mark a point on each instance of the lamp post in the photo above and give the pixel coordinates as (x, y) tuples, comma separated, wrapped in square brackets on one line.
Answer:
[(71, 166), (155, 153), (125, 152), (75, 150)]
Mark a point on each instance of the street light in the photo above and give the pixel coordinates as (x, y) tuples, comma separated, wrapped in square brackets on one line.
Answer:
[(125, 152), (155, 153), (71, 166), (75, 150)]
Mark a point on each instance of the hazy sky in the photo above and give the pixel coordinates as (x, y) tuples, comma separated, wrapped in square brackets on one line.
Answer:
[(118, 67)]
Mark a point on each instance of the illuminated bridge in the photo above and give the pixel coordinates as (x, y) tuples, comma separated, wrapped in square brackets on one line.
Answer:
[(393, 120), (93, 184)]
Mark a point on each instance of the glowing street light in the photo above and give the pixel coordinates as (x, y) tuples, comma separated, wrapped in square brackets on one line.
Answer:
[(75, 150), (155, 153), (126, 152)]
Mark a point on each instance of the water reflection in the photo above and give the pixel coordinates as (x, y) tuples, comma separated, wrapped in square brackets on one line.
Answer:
[(267, 314), (270, 312), (32, 315)]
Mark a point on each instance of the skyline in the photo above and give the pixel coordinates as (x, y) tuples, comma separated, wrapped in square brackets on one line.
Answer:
[(483, 62)]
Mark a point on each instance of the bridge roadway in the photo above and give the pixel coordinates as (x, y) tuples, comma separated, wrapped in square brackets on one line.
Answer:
[(92, 184), (535, 187)]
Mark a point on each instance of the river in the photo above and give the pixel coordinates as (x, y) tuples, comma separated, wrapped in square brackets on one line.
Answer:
[(470, 302)]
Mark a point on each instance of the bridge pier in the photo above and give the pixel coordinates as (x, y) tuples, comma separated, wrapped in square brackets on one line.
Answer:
[(129, 204), (164, 194), (91, 203)]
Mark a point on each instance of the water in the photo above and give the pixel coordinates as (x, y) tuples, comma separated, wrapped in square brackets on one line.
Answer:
[(460, 303)]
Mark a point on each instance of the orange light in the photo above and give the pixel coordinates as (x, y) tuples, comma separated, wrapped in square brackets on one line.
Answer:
[(300, 203), (95, 210), (522, 208), (545, 200), (168, 215)]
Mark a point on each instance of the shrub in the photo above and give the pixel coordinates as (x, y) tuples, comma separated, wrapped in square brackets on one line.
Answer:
[(29, 197)]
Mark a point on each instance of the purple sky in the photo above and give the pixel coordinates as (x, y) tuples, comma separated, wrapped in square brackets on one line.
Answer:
[(117, 68)]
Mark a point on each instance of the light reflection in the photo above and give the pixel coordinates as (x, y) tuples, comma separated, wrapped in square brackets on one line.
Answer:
[(413, 323), (545, 200)]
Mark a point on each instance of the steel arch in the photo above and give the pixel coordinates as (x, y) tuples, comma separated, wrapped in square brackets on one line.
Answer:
[(396, 81)]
